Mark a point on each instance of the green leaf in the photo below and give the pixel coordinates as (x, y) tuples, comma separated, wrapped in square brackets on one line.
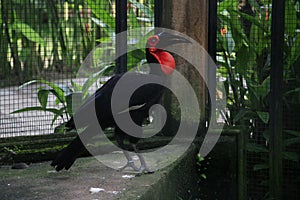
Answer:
[(60, 129), (254, 4), (43, 97), (230, 45), (102, 12), (66, 89), (28, 32), (135, 57), (37, 108), (291, 156), (27, 84), (76, 87), (264, 116), (57, 114), (225, 5), (242, 59), (241, 114), (73, 100), (261, 91), (99, 22), (69, 101), (258, 39), (146, 10), (203, 176), (57, 101), (252, 19), (266, 135), (291, 141), (236, 28), (295, 49), (92, 79), (256, 148), (260, 167), (296, 90), (60, 95), (292, 132), (132, 18), (290, 18), (56, 90)]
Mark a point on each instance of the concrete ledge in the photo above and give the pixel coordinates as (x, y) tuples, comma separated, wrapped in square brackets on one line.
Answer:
[(177, 181), (39, 181)]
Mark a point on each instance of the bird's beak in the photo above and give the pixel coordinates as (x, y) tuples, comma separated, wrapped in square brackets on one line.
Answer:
[(167, 39)]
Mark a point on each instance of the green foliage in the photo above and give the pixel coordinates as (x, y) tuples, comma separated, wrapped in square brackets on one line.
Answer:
[(138, 28), (103, 16), (244, 60), (28, 32), (202, 164), (62, 94), (66, 41), (55, 36), (145, 9)]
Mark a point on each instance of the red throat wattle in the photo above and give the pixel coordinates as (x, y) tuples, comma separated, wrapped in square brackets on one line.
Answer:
[(166, 61)]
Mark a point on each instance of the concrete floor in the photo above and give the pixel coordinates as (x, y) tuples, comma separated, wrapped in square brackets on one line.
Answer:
[(40, 181)]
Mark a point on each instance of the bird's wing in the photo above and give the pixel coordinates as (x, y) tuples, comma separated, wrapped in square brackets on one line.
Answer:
[(146, 96), (99, 102), (102, 92), (142, 98)]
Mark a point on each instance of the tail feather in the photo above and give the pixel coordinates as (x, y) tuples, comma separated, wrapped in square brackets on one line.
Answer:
[(66, 158)]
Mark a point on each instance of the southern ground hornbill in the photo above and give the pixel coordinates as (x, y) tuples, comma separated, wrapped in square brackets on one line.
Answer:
[(161, 65)]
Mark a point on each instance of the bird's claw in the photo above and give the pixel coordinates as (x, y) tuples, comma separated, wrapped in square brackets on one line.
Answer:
[(129, 164), (144, 170)]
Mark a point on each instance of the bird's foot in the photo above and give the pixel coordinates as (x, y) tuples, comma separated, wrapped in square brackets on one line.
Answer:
[(129, 164), (144, 170)]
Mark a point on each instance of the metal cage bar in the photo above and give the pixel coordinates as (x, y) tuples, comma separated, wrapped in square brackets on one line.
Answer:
[(276, 103), (121, 39)]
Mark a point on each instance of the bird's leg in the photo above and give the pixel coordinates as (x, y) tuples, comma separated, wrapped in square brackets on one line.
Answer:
[(120, 141), (130, 162), (143, 168)]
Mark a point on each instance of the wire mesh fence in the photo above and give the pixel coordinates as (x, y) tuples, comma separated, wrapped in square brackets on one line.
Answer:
[(291, 108), (50, 40), (39, 41), (244, 56)]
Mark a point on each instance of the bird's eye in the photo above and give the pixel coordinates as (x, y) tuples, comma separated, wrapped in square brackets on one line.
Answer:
[(153, 40)]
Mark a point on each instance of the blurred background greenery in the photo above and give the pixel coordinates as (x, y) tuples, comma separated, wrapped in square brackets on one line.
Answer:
[(49, 39)]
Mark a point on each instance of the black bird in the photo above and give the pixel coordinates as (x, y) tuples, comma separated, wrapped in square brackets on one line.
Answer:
[(161, 65)]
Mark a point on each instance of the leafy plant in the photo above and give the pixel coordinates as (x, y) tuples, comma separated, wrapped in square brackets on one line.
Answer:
[(244, 55), (140, 25), (202, 166), (244, 62), (64, 97), (63, 100)]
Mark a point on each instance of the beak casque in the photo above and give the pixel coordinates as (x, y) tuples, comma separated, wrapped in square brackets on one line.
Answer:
[(167, 39)]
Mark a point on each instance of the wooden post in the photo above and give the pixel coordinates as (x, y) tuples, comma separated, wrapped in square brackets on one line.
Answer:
[(189, 17)]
